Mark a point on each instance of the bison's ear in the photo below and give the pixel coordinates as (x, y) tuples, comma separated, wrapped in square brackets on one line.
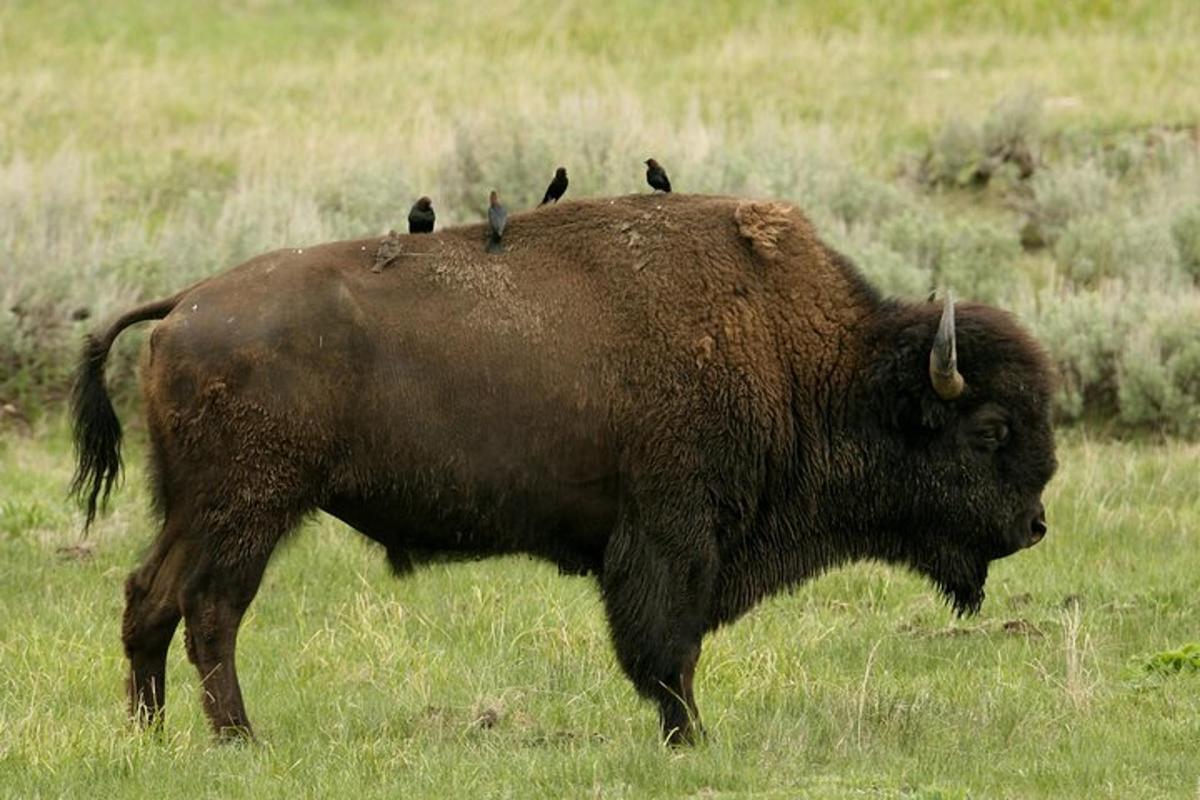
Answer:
[(918, 413), (897, 383)]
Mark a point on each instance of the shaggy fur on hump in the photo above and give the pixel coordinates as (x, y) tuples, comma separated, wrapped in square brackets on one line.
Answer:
[(763, 224)]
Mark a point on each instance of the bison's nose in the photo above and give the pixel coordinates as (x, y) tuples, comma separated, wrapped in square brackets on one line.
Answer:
[(1037, 526)]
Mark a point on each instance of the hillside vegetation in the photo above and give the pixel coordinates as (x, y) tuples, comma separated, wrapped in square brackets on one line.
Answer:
[(1038, 155)]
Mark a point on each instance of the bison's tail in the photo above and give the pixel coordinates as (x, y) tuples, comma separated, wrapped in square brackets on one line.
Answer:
[(97, 431)]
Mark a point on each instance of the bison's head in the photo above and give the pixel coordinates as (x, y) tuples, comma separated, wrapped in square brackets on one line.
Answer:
[(964, 447)]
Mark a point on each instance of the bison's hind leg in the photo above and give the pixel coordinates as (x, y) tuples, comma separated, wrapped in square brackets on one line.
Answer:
[(152, 612), (240, 475), (238, 543)]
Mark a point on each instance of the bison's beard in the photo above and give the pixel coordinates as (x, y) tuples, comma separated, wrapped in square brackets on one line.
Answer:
[(960, 578)]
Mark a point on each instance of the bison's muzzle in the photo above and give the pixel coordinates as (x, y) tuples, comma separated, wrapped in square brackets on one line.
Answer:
[(1037, 526)]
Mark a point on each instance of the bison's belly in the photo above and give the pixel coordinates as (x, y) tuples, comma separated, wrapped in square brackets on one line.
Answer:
[(565, 523)]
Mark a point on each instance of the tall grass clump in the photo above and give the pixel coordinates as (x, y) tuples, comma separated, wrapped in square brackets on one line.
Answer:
[(1004, 146)]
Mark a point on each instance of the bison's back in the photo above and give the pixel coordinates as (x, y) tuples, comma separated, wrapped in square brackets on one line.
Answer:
[(503, 385)]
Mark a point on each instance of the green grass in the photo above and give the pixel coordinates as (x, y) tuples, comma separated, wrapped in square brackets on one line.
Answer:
[(360, 80), (860, 683)]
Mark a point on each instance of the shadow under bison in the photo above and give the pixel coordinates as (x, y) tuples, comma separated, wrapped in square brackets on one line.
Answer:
[(692, 398)]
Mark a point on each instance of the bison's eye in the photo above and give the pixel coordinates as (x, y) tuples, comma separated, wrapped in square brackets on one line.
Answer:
[(994, 436), (988, 430)]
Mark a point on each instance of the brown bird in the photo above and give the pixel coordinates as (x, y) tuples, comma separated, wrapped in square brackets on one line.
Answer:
[(497, 217), (656, 176), (557, 187), (421, 217)]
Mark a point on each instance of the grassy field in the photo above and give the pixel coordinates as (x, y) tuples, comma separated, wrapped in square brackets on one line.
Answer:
[(496, 679), (275, 79), (143, 145)]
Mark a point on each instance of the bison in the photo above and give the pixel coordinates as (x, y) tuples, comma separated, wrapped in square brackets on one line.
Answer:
[(693, 399)]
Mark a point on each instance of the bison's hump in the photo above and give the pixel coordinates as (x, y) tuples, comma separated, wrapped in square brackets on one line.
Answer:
[(765, 224)]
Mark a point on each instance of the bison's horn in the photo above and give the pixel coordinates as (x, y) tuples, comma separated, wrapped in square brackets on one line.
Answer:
[(943, 358)]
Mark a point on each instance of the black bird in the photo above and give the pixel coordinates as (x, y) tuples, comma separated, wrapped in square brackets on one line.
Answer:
[(497, 217), (557, 187), (656, 176), (421, 217)]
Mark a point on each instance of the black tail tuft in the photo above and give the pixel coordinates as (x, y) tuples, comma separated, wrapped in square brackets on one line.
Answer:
[(97, 431), (494, 244)]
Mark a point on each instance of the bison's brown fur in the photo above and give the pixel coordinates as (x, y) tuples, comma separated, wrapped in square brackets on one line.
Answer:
[(691, 397)]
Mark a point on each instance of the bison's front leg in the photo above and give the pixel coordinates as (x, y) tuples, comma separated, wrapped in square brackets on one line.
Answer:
[(657, 583)]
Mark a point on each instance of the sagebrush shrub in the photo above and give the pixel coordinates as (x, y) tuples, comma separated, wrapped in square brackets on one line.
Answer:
[(1159, 374), (980, 260), (1185, 231), (1014, 122), (894, 273), (1116, 245), (1084, 333), (956, 155), (1063, 194)]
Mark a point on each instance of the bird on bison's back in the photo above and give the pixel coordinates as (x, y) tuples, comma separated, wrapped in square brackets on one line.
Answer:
[(557, 187), (497, 219), (656, 176), (695, 449), (421, 217)]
